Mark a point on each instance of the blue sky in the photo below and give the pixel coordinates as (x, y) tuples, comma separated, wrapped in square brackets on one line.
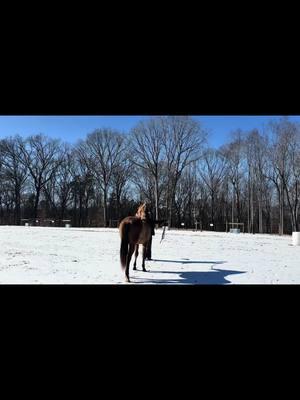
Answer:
[(72, 128)]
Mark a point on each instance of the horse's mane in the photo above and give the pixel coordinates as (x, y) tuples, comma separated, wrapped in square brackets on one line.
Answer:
[(142, 212)]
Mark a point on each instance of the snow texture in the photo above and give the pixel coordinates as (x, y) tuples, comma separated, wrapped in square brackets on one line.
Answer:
[(39, 255)]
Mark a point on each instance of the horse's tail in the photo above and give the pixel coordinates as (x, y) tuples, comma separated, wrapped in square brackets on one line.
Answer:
[(124, 244)]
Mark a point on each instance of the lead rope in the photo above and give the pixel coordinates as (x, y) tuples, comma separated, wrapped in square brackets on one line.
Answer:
[(163, 234)]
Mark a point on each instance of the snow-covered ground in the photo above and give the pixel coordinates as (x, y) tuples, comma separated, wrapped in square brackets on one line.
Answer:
[(83, 256)]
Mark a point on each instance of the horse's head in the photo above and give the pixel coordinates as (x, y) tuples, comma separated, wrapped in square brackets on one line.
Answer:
[(142, 211)]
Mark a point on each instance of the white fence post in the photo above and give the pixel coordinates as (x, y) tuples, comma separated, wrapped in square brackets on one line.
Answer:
[(296, 238)]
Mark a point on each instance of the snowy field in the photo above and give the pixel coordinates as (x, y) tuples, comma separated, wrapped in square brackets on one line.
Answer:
[(91, 256)]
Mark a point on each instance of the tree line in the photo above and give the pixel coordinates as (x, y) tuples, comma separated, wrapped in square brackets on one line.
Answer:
[(253, 179)]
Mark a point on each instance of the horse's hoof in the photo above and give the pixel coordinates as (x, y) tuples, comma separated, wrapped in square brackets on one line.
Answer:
[(145, 270), (134, 268)]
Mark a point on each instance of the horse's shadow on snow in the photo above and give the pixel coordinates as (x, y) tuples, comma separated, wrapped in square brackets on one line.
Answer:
[(213, 277), (188, 261)]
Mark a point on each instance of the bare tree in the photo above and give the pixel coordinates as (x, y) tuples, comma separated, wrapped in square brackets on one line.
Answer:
[(121, 176), (183, 140), (15, 171), (102, 151), (233, 153), (186, 195), (82, 186), (281, 133), (256, 146), (142, 180), (250, 155), (293, 185), (284, 157), (58, 190), (212, 171), (41, 156), (147, 152)]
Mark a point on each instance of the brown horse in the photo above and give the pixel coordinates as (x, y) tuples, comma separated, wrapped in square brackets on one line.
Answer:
[(134, 231)]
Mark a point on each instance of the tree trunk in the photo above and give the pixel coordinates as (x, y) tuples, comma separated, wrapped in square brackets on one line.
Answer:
[(36, 203), (18, 206), (170, 211), (156, 198), (105, 206), (281, 208), (80, 209), (249, 204), (62, 212), (212, 209), (260, 224), (252, 209)]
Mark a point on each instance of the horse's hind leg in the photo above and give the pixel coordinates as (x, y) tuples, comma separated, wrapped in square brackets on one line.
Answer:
[(144, 256), (136, 255), (130, 252)]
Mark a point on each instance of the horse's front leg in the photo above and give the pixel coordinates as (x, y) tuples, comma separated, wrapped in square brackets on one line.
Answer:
[(136, 255), (144, 256)]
